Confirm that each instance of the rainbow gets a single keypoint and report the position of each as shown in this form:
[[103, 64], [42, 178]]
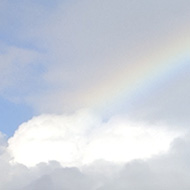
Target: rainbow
[[142, 74]]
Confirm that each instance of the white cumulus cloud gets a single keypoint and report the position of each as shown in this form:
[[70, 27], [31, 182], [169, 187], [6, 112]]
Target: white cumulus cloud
[[82, 138]]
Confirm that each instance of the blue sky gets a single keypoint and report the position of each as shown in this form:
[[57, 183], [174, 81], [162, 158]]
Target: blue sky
[[12, 115], [94, 91]]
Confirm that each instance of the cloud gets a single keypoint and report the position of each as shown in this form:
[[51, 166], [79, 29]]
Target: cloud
[[169, 170], [83, 47], [15, 65], [89, 42], [62, 178], [39, 136], [66, 57], [82, 138]]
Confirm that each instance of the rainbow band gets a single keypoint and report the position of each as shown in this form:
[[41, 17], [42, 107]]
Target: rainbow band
[[141, 74]]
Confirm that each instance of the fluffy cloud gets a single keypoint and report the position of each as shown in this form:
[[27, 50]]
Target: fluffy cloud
[[64, 57], [82, 138], [169, 170], [71, 139]]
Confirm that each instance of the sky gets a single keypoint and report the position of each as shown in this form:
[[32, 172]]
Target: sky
[[94, 95]]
